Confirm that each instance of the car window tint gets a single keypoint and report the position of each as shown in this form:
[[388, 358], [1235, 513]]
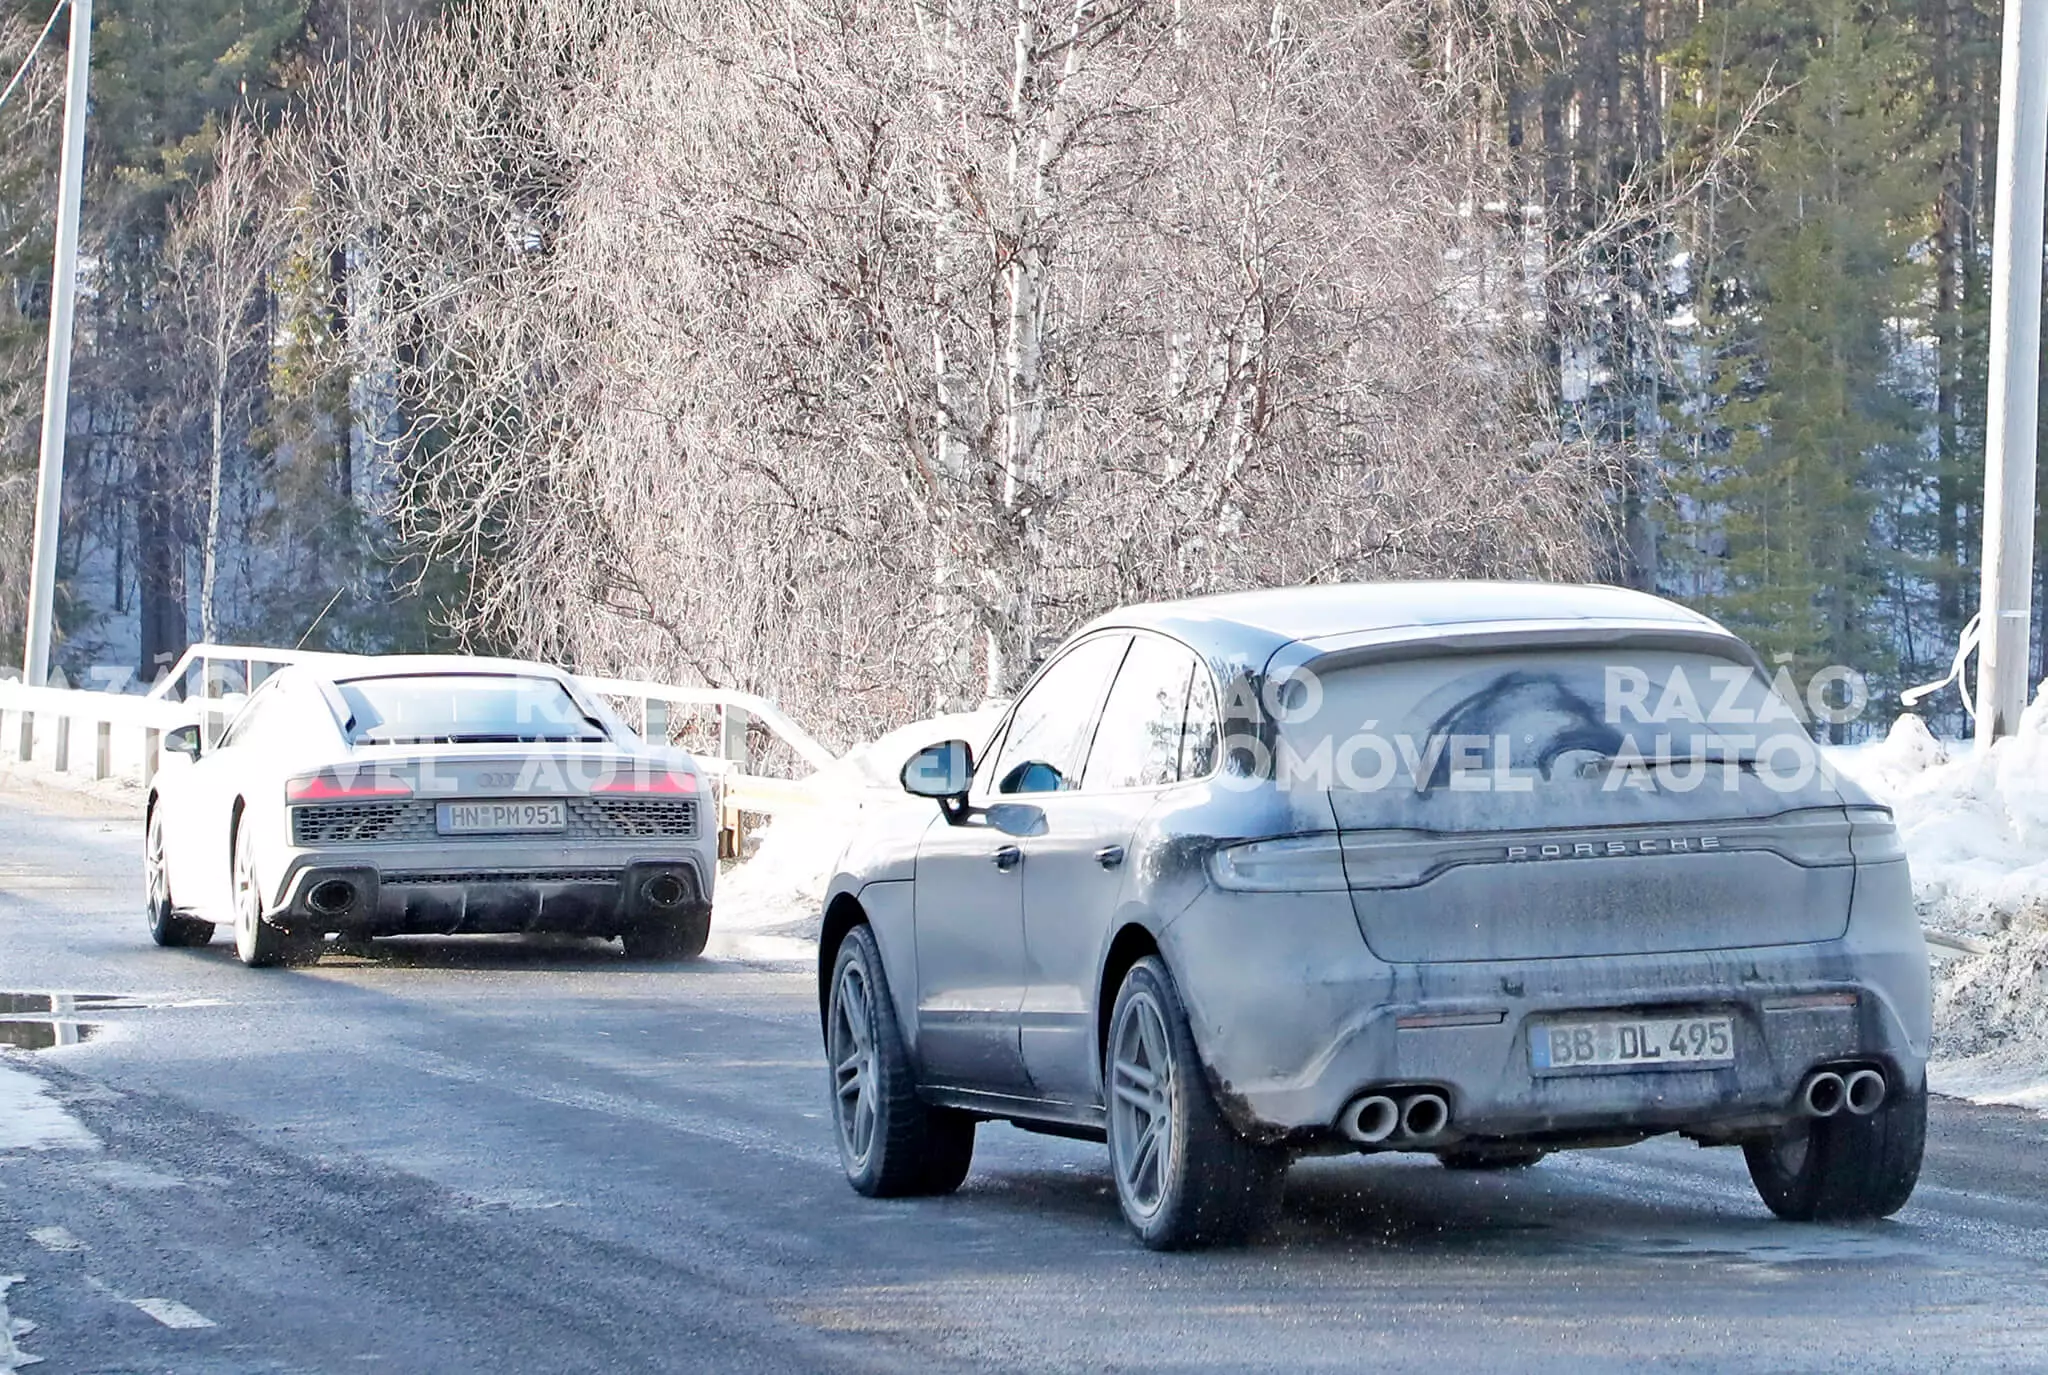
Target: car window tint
[[1198, 734], [1138, 743], [1545, 737], [1048, 734], [455, 708]]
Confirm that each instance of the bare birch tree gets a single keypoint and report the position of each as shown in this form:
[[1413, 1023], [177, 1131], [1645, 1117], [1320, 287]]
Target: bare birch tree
[[853, 354], [221, 250]]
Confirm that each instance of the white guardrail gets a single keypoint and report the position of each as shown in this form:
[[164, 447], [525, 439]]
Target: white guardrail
[[119, 735]]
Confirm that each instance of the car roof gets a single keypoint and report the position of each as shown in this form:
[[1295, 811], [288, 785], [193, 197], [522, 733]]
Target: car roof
[[1253, 625]]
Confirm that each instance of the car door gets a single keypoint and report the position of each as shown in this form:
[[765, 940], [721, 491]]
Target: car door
[[196, 819], [969, 895], [1075, 867]]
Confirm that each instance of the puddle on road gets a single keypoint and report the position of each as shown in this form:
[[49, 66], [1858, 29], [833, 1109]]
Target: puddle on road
[[22, 1029], [42, 1021], [63, 1004], [21, 1035]]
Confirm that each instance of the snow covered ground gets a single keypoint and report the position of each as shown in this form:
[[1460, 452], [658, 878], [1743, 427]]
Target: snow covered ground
[[1975, 824], [771, 906]]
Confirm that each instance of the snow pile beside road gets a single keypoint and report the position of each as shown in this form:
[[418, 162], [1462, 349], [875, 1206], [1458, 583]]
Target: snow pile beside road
[[30, 1119], [780, 891], [1975, 823]]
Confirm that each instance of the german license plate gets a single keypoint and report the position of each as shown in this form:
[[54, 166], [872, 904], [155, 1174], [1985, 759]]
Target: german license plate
[[499, 818], [1632, 1043]]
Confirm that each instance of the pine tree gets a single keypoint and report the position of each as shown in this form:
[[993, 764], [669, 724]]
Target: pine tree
[[1810, 421]]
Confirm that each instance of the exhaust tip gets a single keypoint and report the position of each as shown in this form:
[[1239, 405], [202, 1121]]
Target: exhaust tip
[[1823, 1094], [331, 897], [1425, 1115], [1863, 1092], [1370, 1119], [663, 890]]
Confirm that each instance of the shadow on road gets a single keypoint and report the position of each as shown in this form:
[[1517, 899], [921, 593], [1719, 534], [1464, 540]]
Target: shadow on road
[[541, 954]]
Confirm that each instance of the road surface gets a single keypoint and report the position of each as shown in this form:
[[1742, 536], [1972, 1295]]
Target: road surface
[[489, 1157]]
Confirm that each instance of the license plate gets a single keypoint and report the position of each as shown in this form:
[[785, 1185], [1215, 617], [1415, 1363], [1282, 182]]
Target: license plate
[[499, 818], [1632, 1043]]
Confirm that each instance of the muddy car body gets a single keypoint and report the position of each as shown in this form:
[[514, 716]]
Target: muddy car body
[[1484, 870]]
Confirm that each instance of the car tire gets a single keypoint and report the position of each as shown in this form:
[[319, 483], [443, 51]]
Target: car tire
[[1844, 1167], [259, 944], [668, 938], [1184, 1177], [1466, 1158], [166, 926], [892, 1143]]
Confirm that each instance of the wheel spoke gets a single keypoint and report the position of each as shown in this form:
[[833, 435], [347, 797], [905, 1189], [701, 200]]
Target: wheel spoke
[[1145, 1161], [1138, 1098], [854, 1000], [1149, 1032], [863, 1123]]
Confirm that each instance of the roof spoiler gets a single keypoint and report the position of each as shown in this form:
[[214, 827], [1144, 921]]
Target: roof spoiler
[[1326, 653]]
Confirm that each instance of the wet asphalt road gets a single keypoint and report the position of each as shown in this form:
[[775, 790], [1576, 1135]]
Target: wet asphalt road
[[460, 1157]]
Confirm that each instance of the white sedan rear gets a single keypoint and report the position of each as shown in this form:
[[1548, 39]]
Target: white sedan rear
[[427, 795]]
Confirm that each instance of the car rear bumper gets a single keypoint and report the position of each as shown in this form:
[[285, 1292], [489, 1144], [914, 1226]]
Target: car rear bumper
[[426, 892], [1295, 1020]]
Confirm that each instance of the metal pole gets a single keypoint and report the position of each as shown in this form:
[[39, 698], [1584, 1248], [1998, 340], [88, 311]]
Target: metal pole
[[57, 376], [2013, 408]]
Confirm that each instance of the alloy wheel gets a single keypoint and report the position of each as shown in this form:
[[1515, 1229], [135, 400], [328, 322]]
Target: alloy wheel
[[248, 907], [155, 879], [1141, 1106], [853, 1064]]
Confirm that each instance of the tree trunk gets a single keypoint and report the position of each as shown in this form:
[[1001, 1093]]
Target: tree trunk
[[159, 570]]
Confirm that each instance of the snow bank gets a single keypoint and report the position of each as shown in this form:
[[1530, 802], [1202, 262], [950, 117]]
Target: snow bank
[[30, 1119], [1975, 823], [771, 905]]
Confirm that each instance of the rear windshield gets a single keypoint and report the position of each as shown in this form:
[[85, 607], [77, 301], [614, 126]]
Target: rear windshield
[[1520, 727], [464, 708]]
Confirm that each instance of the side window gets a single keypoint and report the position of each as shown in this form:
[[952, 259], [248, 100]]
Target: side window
[[1198, 743], [254, 717], [1138, 744], [1048, 735]]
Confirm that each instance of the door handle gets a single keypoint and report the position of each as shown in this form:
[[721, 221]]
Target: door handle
[[1109, 856], [1009, 857]]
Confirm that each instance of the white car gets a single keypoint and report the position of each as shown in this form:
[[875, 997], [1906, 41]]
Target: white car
[[427, 795]]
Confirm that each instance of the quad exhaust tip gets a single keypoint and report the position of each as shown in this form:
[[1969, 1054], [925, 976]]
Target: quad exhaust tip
[[1863, 1092], [1425, 1115], [1377, 1118], [1371, 1119], [1823, 1094], [1859, 1091]]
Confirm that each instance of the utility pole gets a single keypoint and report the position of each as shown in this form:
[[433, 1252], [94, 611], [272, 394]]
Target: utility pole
[[2013, 409], [42, 593]]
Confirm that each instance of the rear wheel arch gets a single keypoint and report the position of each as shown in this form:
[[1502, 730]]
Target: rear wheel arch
[[1130, 944], [842, 914]]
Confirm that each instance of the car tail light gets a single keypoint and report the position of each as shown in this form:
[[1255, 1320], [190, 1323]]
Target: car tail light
[[1292, 864], [648, 784], [329, 787], [1874, 836]]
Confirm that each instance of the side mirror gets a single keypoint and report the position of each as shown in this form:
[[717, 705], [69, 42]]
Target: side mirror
[[940, 771], [184, 740]]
